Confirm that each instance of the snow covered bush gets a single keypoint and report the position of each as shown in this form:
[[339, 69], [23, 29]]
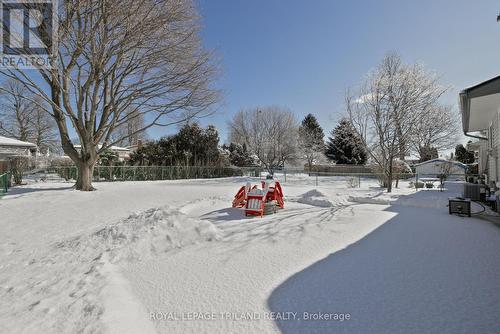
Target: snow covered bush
[[400, 170], [239, 155], [58, 162], [18, 166], [352, 182], [416, 185]]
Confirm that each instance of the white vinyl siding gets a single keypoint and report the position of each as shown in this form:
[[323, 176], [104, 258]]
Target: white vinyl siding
[[483, 157], [494, 149]]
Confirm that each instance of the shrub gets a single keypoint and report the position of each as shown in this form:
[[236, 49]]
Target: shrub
[[18, 166], [417, 185], [352, 182]]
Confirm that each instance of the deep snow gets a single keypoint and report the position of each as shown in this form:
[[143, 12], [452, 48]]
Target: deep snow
[[173, 257]]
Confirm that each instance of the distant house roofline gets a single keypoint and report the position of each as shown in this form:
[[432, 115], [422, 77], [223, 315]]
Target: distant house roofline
[[6, 141], [456, 163], [112, 148]]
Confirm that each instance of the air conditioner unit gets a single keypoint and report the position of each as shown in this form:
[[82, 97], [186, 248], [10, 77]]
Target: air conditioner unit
[[472, 191], [459, 206]]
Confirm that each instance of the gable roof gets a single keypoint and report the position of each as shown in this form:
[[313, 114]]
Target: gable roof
[[5, 141], [112, 148], [438, 160]]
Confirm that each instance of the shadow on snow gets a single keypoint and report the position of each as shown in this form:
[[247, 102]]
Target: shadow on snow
[[423, 271]]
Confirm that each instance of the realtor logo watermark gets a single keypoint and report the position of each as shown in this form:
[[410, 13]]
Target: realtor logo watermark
[[249, 316], [29, 30]]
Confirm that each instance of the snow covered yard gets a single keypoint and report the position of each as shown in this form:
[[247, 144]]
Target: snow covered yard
[[173, 257]]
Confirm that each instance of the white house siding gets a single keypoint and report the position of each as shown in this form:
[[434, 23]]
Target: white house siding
[[494, 149], [480, 149], [483, 157], [10, 151]]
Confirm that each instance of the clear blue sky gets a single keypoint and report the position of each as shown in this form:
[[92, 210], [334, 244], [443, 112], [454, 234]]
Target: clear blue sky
[[304, 54]]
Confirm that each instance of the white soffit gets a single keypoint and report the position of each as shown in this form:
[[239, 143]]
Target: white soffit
[[482, 111]]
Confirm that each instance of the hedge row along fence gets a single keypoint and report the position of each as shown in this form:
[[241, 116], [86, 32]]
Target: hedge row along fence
[[153, 173]]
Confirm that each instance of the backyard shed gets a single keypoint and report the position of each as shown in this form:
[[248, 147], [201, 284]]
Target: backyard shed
[[432, 168]]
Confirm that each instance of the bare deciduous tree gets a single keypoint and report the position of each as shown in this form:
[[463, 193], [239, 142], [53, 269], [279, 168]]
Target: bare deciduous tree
[[15, 112], [438, 128], [129, 133], [270, 133], [391, 102], [23, 117], [44, 132], [116, 59]]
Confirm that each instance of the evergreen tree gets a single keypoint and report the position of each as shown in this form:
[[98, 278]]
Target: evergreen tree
[[211, 145], [192, 145], [167, 151], [462, 155], [239, 155], [428, 153], [311, 142], [345, 146], [197, 146], [147, 155], [108, 158]]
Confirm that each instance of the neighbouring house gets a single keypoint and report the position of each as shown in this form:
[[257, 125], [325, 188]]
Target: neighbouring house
[[123, 152], [11, 148], [432, 168], [480, 109], [140, 143]]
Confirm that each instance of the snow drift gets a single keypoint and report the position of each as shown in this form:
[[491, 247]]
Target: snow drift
[[317, 198], [67, 279], [146, 233]]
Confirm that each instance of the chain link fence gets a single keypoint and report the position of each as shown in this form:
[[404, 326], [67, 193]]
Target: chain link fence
[[286, 175], [344, 175]]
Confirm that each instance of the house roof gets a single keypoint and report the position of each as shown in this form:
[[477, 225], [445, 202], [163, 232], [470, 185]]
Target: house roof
[[5, 141], [479, 104], [456, 163], [112, 148]]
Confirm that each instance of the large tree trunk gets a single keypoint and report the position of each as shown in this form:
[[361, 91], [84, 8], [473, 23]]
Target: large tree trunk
[[84, 162], [390, 176], [85, 173], [389, 182]]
